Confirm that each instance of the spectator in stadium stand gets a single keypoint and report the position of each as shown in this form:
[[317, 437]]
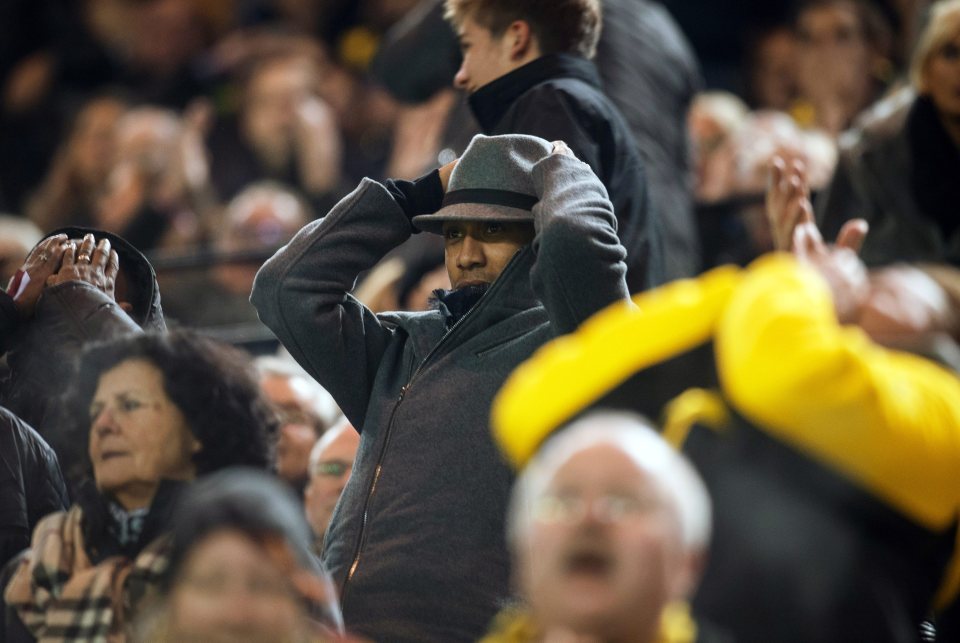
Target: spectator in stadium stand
[[417, 543], [77, 285], [331, 463], [609, 527], [527, 67], [151, 412], [241, 568]]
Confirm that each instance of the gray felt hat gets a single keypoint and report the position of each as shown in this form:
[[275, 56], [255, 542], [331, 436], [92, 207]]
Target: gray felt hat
[[492, 182]]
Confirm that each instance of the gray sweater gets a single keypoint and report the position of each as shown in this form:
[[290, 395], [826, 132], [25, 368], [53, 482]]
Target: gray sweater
[[417, 540]]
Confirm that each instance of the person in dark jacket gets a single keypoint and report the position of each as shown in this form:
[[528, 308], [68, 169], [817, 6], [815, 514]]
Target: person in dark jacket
[[78, 285], [651, 74], [150, 412], [417, 542], [527, 68], [31, 485]]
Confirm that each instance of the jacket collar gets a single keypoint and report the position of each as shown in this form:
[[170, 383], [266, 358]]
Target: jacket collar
[[98, 539], [510, 294], [491, 102]]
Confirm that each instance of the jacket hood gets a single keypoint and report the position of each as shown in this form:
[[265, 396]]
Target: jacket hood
[[142, 279]]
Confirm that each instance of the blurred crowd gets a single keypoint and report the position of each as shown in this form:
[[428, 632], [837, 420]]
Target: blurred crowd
[[733, 458]]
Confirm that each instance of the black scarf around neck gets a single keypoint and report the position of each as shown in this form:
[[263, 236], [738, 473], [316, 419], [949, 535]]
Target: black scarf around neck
[[455, 304]]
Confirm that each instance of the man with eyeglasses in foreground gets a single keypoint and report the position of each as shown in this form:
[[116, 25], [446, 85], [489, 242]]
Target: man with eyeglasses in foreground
[[331, 462], [609, 528]]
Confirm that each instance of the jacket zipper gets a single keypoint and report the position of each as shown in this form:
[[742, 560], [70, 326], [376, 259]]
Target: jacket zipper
[[361, 540]]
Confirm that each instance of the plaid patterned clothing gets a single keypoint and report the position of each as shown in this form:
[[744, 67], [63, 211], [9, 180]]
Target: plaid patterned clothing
[[60, 596]]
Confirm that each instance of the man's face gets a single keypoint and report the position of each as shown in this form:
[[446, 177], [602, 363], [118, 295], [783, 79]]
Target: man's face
[[298, 433], [476, 252], [485, 57], [328, 475], [603, 550]]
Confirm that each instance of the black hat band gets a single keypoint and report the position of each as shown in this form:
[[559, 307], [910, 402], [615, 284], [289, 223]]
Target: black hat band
[[491, 197]]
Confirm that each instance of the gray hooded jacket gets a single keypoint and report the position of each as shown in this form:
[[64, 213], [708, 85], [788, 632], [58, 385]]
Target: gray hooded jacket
[[417, 540]]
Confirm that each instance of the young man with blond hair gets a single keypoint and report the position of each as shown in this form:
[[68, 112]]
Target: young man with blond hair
[[527, 67]]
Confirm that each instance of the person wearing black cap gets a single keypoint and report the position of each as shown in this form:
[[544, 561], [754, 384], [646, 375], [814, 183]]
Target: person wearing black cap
[[77, 285], [417, 542]]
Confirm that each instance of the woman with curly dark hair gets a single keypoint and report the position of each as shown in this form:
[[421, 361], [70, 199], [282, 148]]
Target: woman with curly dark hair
[[158, 410]]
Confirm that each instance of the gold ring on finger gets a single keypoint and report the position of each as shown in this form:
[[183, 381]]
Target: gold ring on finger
[[83, 257]]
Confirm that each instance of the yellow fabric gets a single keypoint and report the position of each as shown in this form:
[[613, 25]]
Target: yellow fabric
[[513, 625], [888, 420], [357, 47], [693, 406], [571, 372]]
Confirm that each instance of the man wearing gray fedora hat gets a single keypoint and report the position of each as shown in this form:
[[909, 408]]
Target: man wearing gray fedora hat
[[417, 541]]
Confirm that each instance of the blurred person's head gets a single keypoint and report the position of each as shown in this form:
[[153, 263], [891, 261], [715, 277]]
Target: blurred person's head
[[498, 36], [936, 63], [713, 119], [17, 237], [306, 411], [845, 42], [145, 136], [167, 35], [773, 69], [263, 216], [331, 463], [241, 568], [274, 89], [166, 406], [91, 145], [608, 525], [146, 139]]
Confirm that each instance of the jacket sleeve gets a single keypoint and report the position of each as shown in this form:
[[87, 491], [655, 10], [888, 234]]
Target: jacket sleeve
[[580, 265], [32, 485], [9, 321], [302, 294], [888, 420], [76, 312]]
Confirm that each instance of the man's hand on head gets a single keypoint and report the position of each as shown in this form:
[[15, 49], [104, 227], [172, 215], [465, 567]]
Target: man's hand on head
[[445, 172], [42, 262], [559, 147], [94, 263]]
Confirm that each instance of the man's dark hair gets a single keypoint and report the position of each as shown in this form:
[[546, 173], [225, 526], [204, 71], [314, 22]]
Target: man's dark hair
[[560, 26], [212, 385], [876, 26]]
